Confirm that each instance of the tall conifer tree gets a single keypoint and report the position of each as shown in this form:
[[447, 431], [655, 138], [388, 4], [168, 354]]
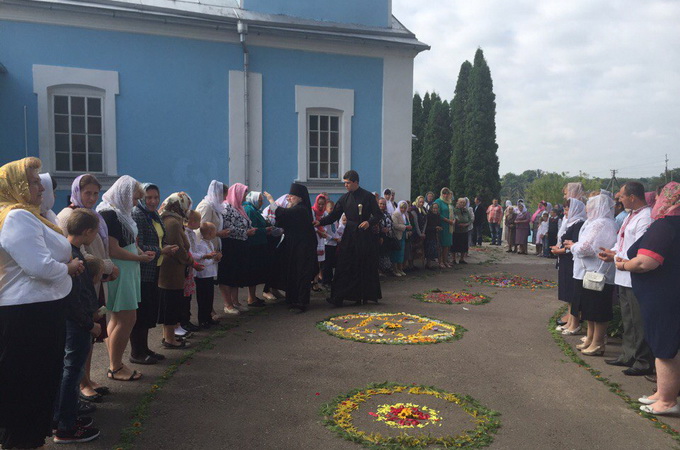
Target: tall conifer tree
[[418, 130], [436, 152], [481, 168], [458, 149]]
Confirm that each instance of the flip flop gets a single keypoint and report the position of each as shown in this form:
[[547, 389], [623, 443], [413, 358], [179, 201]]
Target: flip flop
[[111, 374]]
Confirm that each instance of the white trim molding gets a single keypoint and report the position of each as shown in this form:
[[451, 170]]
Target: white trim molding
[[397, 115], [237, 127], [48, 78], [310, 99]]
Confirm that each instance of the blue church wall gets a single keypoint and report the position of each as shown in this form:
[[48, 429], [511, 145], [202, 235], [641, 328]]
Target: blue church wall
[[172, 111], [364, 12]]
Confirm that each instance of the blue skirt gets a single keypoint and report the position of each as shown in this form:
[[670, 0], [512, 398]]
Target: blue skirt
[[397, 256]]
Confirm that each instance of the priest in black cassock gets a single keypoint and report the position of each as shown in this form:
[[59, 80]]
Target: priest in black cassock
[[356, 272], [300, 259]]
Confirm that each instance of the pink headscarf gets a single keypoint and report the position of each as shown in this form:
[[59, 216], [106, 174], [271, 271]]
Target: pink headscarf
[[650, 198], [664, 202], [235, 197], [539, 211]]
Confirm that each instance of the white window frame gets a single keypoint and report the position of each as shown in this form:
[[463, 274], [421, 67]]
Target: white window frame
[[326, 112], [310, 100], [55, 80]]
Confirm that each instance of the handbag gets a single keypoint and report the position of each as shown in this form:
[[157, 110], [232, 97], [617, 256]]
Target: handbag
[[593, 281]]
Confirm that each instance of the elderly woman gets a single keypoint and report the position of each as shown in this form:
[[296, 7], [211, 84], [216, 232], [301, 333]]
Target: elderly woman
[[655, 271], [401, 226], [258, 248], [509, 225], [36, 267], [232, 268], [419, 220], [460, 240], [124, 291], [522, 228], [595, 307], [151, 238], [386, 238], [445, 202], [173, 269], [85, 194]]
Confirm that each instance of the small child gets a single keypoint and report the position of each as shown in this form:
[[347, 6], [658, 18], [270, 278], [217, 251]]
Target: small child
[[432, 229], [554, 224], [205, 254], [186, 327], [541, 234], [81, 305], [331, 247]]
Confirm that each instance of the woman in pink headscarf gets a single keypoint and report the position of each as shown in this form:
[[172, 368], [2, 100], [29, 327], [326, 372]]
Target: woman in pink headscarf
[[655, 275], [230, 274]]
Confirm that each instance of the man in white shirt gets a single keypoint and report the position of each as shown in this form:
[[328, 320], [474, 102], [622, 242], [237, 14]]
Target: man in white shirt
[[636, 354]]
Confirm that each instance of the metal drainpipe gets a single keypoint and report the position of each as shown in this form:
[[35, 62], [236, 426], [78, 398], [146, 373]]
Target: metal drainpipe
[[242, 29]]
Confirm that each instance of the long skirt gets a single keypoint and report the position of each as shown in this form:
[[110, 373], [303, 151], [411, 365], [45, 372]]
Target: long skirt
[[397, 256], [171, 302], [593, 305], [460, 242], [232, 268], [31, 360], [258, 266], [565, 278], [431, 247]]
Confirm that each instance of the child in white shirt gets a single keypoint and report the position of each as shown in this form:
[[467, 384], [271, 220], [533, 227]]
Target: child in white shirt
[[206, 255], [541, 234]]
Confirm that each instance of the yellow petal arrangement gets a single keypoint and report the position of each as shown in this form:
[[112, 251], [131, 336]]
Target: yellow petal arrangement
[[390, 328], [410, 418]]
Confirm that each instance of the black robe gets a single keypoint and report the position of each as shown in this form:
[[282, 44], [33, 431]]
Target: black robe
[[356, 271], [299, 260]]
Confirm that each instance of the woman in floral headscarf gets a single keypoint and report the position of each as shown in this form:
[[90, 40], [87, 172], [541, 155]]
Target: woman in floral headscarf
[[446, 206], [35, 260], [259, 261], [233, 265], [174, 211], [655, 273], [124, 291]]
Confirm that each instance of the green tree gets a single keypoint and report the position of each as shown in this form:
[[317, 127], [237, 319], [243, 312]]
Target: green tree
[[436, 153], [418, 131], [547, 187], [481, 168], [458, 149]]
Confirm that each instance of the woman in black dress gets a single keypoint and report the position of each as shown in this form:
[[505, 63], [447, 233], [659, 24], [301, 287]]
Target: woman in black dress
[[575, 215], [655, 275], [301, 260]]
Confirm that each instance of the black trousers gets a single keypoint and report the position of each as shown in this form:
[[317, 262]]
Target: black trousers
[[477, 234], [329, 264], [205, 294]]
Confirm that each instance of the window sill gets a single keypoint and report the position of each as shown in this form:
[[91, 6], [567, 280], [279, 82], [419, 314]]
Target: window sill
[[65, 180], [328, 186]]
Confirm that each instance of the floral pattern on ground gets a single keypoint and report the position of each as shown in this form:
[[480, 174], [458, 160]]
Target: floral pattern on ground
[[342, 414], [452, 297], [505, 280], [390, 328]]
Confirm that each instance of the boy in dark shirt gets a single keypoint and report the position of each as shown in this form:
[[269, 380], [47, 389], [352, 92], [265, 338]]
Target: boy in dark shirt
[[81, 306]]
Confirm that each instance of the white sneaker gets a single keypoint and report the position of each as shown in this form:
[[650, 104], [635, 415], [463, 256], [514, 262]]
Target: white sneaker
[[181, 332], [232, 311], [242, 308]]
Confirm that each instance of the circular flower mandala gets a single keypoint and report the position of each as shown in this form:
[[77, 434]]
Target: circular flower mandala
[[390, 328], [512, 281], [452, 297], [469, 423]]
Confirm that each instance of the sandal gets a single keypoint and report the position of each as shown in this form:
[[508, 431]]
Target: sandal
[[146, 361], [111, 374], [166, 344]]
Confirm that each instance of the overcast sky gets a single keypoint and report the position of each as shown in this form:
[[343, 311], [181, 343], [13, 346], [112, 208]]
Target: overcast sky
[[586, 85]]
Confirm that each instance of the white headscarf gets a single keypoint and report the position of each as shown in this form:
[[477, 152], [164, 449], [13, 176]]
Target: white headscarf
[[577, 213], [214, 198], [403, 215], [119, 199], [254, 198], [508, 203], [47, 199], [599, 230], [390, 204]]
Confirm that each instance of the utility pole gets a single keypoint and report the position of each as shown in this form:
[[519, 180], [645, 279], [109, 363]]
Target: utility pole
[[666, 172], [613, 184]]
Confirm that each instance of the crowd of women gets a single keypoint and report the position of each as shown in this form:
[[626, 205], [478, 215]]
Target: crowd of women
[[133, 262], [638, 253]]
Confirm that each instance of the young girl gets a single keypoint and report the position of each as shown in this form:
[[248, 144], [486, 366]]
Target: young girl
[[541, 232], [332, 241], [204, 253], [432, 229]]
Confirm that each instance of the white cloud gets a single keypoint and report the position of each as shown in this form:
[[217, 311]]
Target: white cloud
[[579, 85]]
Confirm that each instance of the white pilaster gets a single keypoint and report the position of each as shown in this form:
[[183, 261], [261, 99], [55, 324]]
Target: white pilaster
[[237, 147]]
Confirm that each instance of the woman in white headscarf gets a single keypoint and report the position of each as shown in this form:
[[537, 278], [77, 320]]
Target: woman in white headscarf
[[504, 236], [574, 216], [124, 291], [388, 194], [598, 231], [211, 208], [400, 225]]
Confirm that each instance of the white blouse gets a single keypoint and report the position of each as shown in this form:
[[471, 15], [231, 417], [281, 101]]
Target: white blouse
[[33, 261]]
